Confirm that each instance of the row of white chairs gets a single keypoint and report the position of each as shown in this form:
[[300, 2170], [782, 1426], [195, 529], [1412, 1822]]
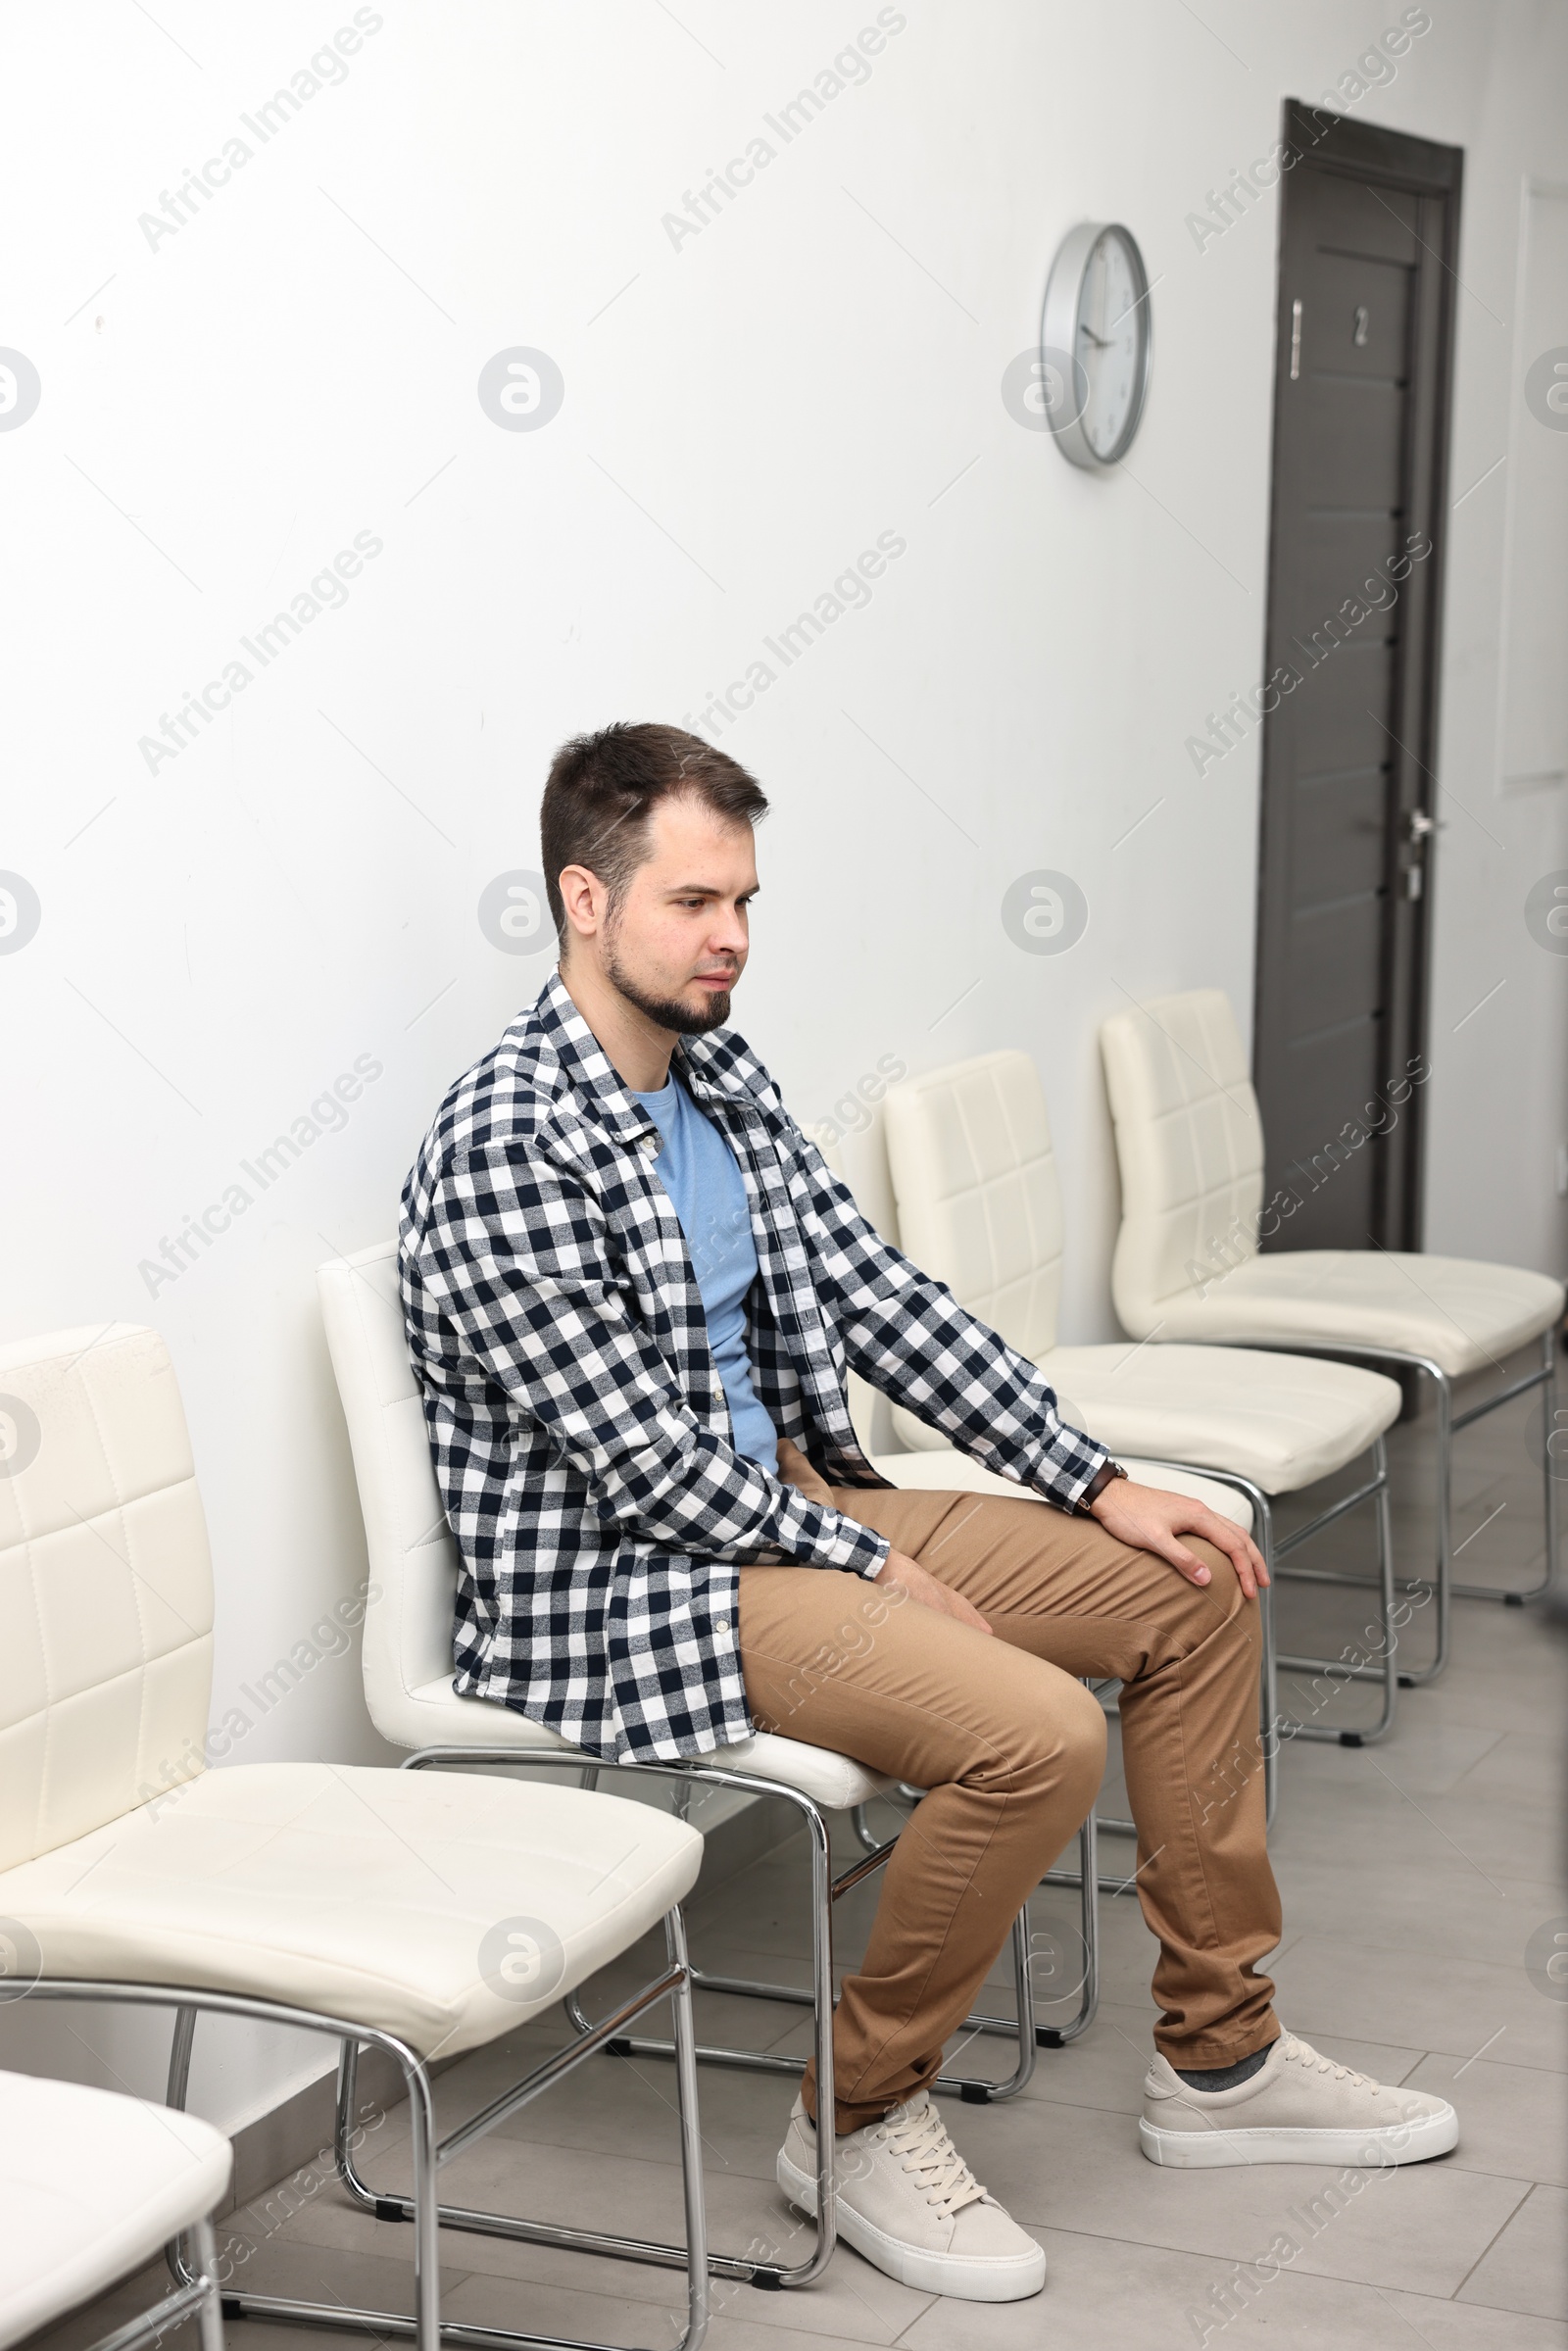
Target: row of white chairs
[[1264, 1376], [420, 1915], [421, 1912]]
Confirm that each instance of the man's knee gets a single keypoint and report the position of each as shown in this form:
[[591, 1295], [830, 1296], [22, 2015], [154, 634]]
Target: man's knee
[[1224, 1588], [1061, 1745], [1084, 1742]]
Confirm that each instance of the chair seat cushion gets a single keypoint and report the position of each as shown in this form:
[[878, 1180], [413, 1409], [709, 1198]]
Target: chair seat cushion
[[435, 1716], [1280, 1420], [947, 1471], [91, 2184], [1462, 1313], [443, 1907]]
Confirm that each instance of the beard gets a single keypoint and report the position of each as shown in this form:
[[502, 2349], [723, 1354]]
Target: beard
[[667, 1013]]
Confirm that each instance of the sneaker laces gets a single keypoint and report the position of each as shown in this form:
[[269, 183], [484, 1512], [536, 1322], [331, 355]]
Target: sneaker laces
[[920, 2137], [1300, 2052]]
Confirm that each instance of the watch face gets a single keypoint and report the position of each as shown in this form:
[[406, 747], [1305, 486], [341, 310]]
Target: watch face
[[1113, 336]]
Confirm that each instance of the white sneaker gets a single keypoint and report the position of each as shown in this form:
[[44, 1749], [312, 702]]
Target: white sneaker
[[907, 2200], [1299, 2107]]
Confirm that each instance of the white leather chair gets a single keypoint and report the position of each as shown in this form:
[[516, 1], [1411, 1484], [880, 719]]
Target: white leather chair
[[1187, 1264], [408, 1687], [423, 1917], [943, 1469], [975, 1177], [91, 2184]]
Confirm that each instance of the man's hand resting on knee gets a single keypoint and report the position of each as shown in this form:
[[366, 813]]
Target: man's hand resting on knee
[[908, 1576], [1149, 1519]]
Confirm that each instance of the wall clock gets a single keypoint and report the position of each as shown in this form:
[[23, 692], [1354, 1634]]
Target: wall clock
[[1095, 341]]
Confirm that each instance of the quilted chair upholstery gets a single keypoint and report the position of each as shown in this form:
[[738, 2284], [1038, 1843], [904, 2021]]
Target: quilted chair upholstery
[[106, 1593], [929, 1465], [979, 1207], [1187, 1264], [364, 1894]]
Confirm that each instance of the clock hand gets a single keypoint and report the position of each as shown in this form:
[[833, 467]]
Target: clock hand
[[1101, 342]]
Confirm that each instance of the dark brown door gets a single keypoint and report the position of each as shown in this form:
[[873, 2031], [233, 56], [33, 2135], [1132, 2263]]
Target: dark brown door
[[1369, 225]]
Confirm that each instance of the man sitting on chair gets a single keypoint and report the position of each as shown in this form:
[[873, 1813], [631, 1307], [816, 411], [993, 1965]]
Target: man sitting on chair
[[634, 1293]]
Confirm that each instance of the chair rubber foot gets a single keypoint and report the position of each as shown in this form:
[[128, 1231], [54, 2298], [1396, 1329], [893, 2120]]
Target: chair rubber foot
[[1513, 1599], [768, 2281], [230, 2306], [388, 2210], [1049, 2036], [974, 2093], [1349, 1738], [619, 2048], [1407, 1681]]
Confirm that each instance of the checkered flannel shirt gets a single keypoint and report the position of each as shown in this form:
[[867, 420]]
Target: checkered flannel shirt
[[582, 1436]]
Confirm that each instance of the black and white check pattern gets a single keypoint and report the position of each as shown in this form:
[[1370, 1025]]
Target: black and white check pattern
[[582, 1436]]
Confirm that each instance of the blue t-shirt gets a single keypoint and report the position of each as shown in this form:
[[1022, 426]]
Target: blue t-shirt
[[697, 1170]]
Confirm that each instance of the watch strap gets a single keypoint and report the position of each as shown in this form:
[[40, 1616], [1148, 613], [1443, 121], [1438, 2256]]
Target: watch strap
[[1104, 1476]]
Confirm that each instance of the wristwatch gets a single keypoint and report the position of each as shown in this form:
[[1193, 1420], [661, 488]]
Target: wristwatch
[[1103, 1477]]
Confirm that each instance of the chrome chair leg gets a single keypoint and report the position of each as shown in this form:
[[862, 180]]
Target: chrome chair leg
[[197, 2290], [1450, 1424], [210, 2318], [420, 2208], [827, 1889], [1546, 1380], [1554, 1462]]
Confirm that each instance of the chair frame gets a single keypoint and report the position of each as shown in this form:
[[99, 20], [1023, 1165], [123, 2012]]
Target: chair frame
[[201, 2295], [1274, 1551], [826, 1890], [424, 2326], [1449, 1423]]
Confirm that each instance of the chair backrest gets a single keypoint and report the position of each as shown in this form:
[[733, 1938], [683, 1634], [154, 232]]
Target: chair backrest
[[413, 1554], [1190, 1143], [106, 1586], [974, 1176]]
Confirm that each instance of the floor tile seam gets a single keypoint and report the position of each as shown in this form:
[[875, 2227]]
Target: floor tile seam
[[729, 2170], [1543, 2073], [1399, 1950], [1546, 2072], [882, 2342], [1491, 2241], [1498, 2309], [1525, 2182], [1481, 2171], [1100, 2237], [1500, 1740], [571, 2147], [1471, 1959]]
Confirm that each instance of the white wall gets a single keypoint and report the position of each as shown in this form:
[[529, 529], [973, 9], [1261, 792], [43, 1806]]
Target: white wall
[[225, 410]]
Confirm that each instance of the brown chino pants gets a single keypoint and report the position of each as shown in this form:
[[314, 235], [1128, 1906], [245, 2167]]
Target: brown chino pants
[[1010, 1746]]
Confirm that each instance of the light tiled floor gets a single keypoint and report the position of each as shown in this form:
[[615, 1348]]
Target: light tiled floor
[[1413, 1874]]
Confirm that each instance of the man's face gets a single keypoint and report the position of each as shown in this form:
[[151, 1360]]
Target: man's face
[[677, 941]]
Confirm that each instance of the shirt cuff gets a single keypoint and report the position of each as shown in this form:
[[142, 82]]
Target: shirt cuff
[[827, 1538]]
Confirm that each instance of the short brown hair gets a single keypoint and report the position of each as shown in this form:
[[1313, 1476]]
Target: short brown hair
[[602, 788]]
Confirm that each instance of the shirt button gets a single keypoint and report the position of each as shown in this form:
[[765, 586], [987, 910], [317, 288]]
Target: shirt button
[[722, 1624]]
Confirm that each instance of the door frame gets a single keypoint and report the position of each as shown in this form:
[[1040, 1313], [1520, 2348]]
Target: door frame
[[1316, 140]]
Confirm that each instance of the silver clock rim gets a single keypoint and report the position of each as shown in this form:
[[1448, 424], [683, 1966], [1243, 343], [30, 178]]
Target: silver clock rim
[[1059, 332]]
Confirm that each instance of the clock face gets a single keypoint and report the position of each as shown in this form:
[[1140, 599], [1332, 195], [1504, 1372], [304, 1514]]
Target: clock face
[[1112, 324], [1096, 336]]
